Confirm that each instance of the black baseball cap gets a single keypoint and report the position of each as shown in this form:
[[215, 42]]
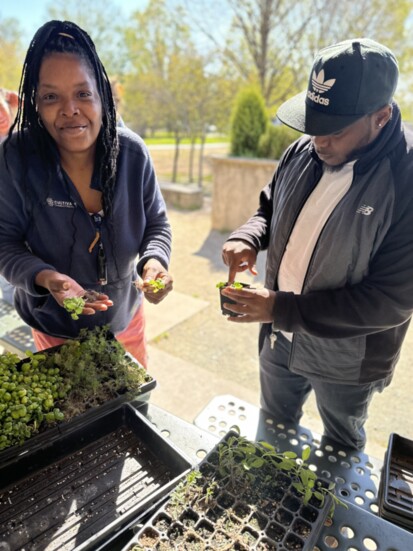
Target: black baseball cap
[[348, 80]]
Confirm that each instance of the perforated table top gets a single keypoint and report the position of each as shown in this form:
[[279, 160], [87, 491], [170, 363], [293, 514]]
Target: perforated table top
[[15, 335], [355, 474]]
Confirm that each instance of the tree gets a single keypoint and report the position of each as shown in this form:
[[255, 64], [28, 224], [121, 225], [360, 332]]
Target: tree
[[11, 53], [273, 42], [168, 85], [103, 25]]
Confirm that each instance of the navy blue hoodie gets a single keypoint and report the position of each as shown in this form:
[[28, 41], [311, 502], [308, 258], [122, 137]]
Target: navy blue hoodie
[[44, 225]]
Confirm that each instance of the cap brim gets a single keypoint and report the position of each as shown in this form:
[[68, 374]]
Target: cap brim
[[297, 114]]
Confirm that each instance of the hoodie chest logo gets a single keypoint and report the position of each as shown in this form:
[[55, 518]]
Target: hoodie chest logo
[[60, 204]]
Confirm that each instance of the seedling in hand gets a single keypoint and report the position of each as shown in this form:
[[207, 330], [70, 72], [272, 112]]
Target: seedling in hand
[[234, 285], [156, 284], [75, 305]]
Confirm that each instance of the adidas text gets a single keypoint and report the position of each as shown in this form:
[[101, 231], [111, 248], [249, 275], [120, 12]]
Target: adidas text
[[317, 98]]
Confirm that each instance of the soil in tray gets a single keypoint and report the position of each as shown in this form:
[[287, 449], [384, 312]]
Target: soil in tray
[[66, 503], [238, 511]]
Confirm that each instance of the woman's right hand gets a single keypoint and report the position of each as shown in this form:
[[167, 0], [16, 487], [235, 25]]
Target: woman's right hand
[[62, 287]]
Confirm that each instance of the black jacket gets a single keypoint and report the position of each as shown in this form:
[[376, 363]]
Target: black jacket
[[352, 316]]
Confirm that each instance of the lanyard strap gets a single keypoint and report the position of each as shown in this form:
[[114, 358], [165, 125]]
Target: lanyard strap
[[101, 258]]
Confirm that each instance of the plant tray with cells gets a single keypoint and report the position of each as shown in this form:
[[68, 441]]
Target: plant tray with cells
[[243, 496], [46, 391]]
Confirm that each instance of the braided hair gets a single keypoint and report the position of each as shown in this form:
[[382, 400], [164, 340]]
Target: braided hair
[[67, 37]]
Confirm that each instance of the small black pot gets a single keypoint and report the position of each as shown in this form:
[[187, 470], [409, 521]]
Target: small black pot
[[223, 299]]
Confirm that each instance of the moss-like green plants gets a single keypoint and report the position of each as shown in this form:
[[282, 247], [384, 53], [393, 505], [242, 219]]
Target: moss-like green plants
[[59, 383], [29, 394]]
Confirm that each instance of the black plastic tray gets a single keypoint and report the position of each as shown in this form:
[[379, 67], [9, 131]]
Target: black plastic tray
[[88, 484], [285, 522], [396, 484], [47, 435]]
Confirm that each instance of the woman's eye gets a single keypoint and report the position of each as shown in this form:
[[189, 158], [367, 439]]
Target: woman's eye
[[85, 94], [49, 97]]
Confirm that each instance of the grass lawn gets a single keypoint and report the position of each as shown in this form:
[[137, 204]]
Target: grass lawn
[[168, 139], [163, 162]]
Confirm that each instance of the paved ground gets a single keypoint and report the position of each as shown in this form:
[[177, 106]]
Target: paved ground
[[195, 354]]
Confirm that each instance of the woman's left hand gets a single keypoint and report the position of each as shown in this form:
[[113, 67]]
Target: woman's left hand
[[152, 271], [61, 287]]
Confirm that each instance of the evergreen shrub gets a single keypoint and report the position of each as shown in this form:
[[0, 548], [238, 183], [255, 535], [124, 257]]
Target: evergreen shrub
[[275, 141], [248, 122]]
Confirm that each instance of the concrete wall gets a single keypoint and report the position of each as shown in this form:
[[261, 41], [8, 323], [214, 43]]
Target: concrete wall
[[237, 183], [183, 196]]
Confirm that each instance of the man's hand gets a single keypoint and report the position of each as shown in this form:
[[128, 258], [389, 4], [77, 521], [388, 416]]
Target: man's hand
[[253, 305], [239, 256], [153, 270], [62, 286]]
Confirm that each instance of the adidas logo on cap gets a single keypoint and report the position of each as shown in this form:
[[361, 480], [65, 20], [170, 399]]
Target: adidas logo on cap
[[320, 85]]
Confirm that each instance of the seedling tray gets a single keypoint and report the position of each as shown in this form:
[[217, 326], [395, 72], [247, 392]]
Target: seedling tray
[[271, 517], [48, 435], [88, 484], [52, 432], [396, 485]]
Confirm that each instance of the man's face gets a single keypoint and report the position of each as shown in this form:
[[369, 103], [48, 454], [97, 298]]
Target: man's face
[[339, 148]]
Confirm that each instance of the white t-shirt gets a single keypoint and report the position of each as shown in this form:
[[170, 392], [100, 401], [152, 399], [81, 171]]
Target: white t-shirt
[[331, 188]]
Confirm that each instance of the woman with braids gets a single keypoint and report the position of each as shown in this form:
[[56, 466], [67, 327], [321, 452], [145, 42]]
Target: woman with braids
[[80, 206]]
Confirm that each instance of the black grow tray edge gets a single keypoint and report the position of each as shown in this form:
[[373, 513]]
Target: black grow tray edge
[[171, 459]]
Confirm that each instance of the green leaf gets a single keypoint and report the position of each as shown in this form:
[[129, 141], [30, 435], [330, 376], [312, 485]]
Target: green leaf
[[267, 446], [290, 455]]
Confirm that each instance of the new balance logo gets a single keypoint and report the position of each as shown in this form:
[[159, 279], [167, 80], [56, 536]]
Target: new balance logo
[[320, 85], [365, 209]]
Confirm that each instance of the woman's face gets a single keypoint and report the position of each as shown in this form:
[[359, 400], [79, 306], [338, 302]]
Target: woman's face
[[69, 104]]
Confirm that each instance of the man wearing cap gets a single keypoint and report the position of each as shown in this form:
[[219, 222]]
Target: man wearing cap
[[337, 223]]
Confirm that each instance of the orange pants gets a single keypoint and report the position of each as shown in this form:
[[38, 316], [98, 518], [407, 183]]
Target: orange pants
[[132, 338]]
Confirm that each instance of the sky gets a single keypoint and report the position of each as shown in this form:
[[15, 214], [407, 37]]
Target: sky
[[31, 14]]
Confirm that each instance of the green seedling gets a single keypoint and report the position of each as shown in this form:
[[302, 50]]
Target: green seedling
[[239, 457], [59, 384], [74, 305], [234, 285], [156, 284]]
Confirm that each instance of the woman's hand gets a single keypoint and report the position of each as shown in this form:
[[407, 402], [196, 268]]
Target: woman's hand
[[152, 271], [61, 287]]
